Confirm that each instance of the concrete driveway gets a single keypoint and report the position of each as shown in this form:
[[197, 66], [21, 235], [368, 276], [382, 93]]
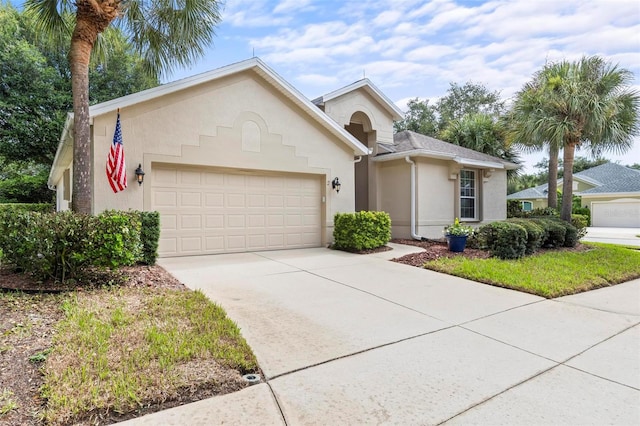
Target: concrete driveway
[[356, 339], [622, 236]]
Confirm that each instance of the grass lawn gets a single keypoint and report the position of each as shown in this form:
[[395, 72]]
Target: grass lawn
[[552, 273], [116, 353]]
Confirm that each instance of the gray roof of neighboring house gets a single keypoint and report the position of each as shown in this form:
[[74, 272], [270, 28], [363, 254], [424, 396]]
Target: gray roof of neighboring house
[[608, 178], [539, 191], [408, 141]]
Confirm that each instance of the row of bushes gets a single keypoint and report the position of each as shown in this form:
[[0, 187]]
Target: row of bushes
[[62, 246], [362, 230], [516, 237], [514, 210]]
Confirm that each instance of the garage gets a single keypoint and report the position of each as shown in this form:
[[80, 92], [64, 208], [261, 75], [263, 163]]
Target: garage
[[616, 214], [209, 211]]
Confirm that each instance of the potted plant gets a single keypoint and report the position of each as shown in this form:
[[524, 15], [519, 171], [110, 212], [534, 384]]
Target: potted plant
[[456, 235]]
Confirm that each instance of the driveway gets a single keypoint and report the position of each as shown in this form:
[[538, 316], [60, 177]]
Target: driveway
[[356, 339], [622, 236]]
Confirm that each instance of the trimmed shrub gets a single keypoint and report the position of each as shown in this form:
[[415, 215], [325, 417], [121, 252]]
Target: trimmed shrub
[[555, 232], [535, 233], [361, 230], [150, 235], [64, 246], [505, 240], [580, 222], [582, 211]]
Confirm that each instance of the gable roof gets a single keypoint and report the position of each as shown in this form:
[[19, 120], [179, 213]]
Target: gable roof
[[368, 87], [408, 143], [537, 192], [608, 178], [253, 64]]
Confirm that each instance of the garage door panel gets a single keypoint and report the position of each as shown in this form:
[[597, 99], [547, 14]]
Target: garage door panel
[[207, 211], [616, 214]]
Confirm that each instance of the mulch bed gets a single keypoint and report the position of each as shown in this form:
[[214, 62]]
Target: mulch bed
[[433, 250]]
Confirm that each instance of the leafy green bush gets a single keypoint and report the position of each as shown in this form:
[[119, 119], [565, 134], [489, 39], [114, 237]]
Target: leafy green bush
[[505, 240], [583, 211], [26, 207], [63, 246], [580, 222], [361, 231], [150, 235], [535, 233], [555, 232]]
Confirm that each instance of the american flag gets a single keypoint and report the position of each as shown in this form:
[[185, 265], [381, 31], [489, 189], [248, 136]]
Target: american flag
[[116, 169]]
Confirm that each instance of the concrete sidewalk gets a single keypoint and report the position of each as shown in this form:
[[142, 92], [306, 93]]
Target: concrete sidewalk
[[356, 339]]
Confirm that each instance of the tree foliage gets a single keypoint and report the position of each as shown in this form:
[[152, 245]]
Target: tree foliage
[[570, 104], [35, 97], [164, 33]]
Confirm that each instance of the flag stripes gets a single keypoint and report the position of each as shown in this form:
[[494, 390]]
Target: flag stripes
[[116, 169]]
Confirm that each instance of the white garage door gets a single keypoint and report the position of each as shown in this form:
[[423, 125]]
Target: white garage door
[[617, 214], [206, 211]]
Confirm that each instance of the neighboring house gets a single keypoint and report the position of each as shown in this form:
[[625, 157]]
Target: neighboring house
[[610, 191], [236, 159]]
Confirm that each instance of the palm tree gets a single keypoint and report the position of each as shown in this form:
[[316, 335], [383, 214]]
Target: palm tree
[[567, 105], [165, 33], [484, 133]]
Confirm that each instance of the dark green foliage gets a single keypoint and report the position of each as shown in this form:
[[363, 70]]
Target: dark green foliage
[[571, 235], [505, 240], [23, 207], [535, 233], [150, 235], [582, 211], [514, 208], [361, 231], [555, 232], [64, 246], [580, 222], [24, 184]]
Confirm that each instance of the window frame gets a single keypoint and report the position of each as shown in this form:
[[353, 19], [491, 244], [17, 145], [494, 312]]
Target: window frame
[[475, 197]]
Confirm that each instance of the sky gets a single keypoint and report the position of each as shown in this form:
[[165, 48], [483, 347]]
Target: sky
[[416, 48]]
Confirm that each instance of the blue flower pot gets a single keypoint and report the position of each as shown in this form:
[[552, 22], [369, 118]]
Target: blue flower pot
[[457, 243]]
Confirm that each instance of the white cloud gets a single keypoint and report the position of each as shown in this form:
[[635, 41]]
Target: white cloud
[[288, 6]]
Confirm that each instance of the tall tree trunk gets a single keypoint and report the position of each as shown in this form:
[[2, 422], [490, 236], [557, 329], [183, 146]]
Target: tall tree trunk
[[567, 182], [92, 17], [552, 186], [79, 56]]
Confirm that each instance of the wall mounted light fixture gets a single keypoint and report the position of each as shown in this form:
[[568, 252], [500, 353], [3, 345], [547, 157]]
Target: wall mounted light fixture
[[335, 184], [139, 174]]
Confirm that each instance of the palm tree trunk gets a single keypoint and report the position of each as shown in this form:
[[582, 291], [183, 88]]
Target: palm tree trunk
[[91, 19], [567, 182], [552, 186], [79, 55]]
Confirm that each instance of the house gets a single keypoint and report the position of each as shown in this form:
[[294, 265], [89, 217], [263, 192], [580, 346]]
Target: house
[[236, 159], [610, 191]]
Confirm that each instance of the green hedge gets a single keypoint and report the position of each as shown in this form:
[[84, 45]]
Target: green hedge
[[535, 234], [150, 235], [361, 231], [23, 207], [64, 246], [505, 240], [555, 232]]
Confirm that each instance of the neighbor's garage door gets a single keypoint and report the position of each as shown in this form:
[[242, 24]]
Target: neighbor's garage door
[[617, 214], [205, 211]]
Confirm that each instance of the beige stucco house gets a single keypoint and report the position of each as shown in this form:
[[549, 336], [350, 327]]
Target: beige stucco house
[[237, 159]]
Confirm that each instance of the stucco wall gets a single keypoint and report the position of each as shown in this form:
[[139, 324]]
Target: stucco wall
[[235, 122], [494, 199], [394, 195], [343, 107], [436, 202], [437, 195]]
